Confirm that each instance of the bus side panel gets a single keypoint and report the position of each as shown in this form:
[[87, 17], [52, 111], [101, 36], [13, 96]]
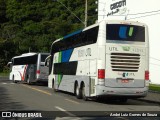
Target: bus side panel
[[83, 71], [19, 72], [31, 72], [43, 73], [66, 74], [68, 81], [10, 76]]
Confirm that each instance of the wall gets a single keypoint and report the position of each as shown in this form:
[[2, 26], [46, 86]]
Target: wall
[[142, 11]]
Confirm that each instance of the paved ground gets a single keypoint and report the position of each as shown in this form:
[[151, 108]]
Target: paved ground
[[152, 96], [23, 97]]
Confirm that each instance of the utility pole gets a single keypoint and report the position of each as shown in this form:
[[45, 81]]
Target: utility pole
[[86, 13], [71, 11]]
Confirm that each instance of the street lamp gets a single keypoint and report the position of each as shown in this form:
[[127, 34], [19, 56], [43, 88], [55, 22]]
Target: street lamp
[[85, 23]]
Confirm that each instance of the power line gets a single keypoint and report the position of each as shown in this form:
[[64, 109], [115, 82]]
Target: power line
[[154, 64], [155, 58], [143, 16], [145, 12], [69, 11], [138, 14]]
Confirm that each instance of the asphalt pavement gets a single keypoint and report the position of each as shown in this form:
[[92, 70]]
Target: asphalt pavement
[[23, 97], [152, 96]]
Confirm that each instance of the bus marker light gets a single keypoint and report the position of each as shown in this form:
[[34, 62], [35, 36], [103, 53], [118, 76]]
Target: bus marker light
[[101, 73], [38, 71], [146, 75]]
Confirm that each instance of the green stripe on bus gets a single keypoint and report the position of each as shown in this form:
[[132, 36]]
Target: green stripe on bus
[[60, 57], [59, 79], [130, 31], [59, 61]]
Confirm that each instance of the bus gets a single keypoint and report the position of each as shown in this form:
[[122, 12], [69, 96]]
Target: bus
[[109, 58], [29, 67]]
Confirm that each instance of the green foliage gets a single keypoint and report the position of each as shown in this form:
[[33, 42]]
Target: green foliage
[[154, 87], [35, 24]]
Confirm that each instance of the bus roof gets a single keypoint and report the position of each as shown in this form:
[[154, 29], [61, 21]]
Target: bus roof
[[94, 25], [72, 34], [25, 54], [29, 54]]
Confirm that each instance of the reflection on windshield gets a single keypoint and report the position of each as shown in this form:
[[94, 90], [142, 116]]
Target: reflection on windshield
[[125, 32]]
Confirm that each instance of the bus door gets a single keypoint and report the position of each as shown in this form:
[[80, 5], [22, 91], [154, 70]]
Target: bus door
[[43, 71], [32, 70]]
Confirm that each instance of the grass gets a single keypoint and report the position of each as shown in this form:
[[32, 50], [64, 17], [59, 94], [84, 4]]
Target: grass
[[4, 74], [154, 87]]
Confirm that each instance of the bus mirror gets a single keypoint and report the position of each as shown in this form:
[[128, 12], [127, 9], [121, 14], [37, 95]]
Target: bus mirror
[[46, 63], [9, 64]]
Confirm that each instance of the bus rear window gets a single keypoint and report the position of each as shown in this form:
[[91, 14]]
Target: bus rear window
[[43, 57], [122, 32], [23, 60]]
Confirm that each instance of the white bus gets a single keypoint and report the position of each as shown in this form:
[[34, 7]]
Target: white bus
[[110, 58], [29, 67]]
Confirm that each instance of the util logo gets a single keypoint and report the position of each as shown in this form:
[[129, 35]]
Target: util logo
[[124, 32], [123, 74]]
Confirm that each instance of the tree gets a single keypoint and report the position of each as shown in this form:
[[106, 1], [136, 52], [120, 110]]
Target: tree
[[35, 24]]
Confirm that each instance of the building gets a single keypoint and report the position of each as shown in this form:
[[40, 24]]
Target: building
[[142, 11]]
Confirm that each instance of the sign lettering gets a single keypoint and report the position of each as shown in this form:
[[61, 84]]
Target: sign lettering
[[115, 8]]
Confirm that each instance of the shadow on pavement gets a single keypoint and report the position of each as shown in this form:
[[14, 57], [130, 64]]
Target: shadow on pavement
[[6, 103]]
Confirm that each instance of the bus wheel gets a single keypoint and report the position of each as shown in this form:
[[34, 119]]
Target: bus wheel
[[78, 92], [83, 93], [54, 89], [14, 79], [28, 81]]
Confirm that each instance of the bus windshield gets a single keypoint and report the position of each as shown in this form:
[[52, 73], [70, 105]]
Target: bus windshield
[[123, 32]]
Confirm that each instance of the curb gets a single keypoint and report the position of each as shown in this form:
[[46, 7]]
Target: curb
[[149, 101], [154, 91]]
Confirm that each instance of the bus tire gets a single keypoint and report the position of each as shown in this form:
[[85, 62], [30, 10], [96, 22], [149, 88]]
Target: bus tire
[[14, 81], [83, 93], [78, 92], [54, 89], [28, 80]]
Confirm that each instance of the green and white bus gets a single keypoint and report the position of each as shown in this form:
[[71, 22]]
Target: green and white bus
[[110, 58]]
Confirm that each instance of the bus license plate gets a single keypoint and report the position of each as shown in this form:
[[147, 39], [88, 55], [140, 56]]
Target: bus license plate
[[125, 81]]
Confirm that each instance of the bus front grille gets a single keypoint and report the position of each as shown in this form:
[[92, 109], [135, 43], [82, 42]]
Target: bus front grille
[[127, 62]]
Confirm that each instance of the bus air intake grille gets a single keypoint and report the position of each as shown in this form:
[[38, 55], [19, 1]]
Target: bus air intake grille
[[126, 62]]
